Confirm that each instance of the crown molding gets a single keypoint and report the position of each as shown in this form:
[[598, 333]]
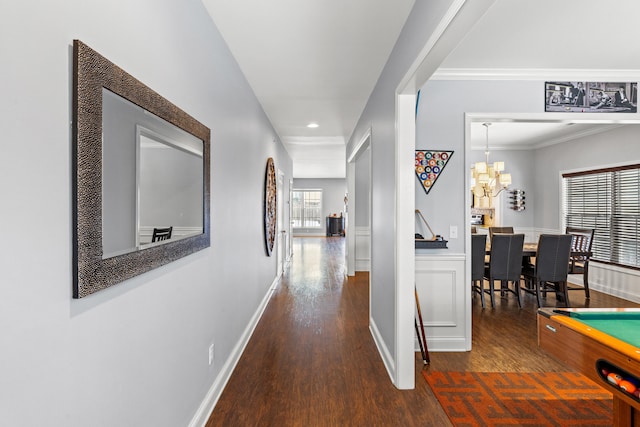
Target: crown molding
[[550, 74], [537, 143], [577, 135]]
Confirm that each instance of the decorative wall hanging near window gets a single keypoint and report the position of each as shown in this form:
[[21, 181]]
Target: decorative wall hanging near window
[[429, 166], [270, 206], [591, 97]]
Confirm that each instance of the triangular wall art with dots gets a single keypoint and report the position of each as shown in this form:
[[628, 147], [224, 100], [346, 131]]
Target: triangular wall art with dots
[[429, 166]]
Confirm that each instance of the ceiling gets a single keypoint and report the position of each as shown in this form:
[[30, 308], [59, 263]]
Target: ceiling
[[311, 61], [318, 61]]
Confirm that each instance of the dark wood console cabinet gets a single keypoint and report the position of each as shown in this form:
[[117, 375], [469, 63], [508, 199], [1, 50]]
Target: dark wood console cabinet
[[335, 226]]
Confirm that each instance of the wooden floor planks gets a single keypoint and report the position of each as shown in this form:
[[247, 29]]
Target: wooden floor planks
[[312, 362]]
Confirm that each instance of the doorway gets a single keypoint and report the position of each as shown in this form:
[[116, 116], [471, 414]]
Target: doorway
[[359, 206]]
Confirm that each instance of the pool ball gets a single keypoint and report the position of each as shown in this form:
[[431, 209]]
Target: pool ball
[[627, 386], [614, 378], [634, 381]]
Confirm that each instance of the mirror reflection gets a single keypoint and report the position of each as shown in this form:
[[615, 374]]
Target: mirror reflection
[[152, 179], [169, 186]]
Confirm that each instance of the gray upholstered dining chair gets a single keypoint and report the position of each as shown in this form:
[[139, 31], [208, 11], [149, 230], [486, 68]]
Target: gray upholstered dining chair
[[478, 249], [549, 274], [505, 265]]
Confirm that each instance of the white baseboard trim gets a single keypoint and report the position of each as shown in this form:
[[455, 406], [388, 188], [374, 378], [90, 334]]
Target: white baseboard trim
[[208, 404], [383, 350]]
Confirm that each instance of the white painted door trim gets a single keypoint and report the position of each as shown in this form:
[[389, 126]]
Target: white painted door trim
[[290, 225], [360, 147], [351, 212], [281, 229], [404, 245]]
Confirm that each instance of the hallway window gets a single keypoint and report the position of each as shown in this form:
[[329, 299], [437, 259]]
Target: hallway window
[[307, 209]]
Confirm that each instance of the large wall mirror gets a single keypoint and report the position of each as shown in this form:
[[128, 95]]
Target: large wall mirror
[[141, 177]]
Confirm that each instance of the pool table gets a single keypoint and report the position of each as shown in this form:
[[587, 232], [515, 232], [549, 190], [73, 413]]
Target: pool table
[[597, 342]]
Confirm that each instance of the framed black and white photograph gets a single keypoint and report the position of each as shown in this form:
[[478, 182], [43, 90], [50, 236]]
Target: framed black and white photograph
[[591, 97]]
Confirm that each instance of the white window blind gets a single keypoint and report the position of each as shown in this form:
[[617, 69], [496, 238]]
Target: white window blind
[[607, 200]]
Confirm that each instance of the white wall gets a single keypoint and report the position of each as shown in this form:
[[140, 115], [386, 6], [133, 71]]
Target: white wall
[[134, 354], [333, 191]]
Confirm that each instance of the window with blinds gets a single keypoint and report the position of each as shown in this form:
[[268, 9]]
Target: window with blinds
[[607, 200]]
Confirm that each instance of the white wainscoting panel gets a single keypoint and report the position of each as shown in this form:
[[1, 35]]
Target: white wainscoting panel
[[613, 280], [443, 293], [363, 248]]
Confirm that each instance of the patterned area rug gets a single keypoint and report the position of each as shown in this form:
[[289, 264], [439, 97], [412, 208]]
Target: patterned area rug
[[521, 398]]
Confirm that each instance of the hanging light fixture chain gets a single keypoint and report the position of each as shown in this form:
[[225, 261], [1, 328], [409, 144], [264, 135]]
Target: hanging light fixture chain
[[486, 150]]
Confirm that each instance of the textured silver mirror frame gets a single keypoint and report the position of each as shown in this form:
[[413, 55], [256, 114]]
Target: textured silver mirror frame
[[92, 273]]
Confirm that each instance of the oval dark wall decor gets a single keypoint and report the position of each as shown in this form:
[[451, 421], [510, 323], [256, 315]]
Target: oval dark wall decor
[[270, 206]]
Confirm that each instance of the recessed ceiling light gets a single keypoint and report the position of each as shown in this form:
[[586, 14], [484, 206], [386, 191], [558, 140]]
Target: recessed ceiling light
[[313, 125]]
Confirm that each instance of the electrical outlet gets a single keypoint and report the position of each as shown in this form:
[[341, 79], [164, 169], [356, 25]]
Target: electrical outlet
[[453, 232], [211, 347]]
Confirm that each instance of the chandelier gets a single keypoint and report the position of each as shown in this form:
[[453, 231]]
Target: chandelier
[[487, 181]]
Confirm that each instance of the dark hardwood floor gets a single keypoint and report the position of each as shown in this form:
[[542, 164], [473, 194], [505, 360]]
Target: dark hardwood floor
[[312, 362]]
